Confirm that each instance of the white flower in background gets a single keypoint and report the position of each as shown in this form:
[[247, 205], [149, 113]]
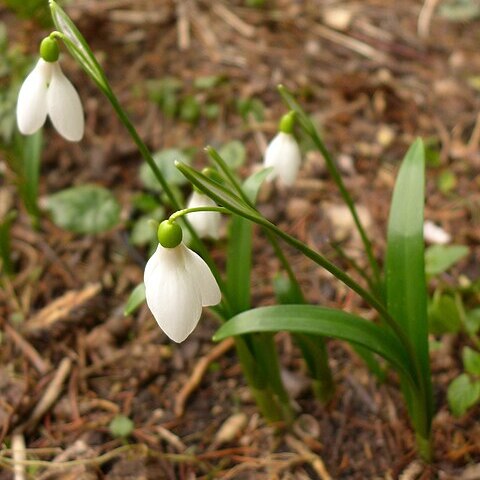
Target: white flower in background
[[47, 91], [435, 234], [178, 283], [283, 153], [206, 224]]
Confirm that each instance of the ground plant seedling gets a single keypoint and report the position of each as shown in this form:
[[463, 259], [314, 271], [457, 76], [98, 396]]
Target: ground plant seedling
[[195, 228]]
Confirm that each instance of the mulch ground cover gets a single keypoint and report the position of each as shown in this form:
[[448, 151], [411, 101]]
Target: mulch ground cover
[[70, 361]]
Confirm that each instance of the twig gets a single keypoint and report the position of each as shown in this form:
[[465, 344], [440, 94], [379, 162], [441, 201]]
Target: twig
[[19, 456], [231, 19], [314, 460], [50, 396], [425, 18], [28, 350], [198, 373], [61, 307], [183, 26], [351, 43]]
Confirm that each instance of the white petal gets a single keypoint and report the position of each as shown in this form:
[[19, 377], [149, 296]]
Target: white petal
[[172, 294], [283, 154], [206, 224], [32, 99], [435, 234], [64, 106], [203, 277]]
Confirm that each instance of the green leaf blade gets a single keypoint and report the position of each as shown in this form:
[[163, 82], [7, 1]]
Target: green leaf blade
[[239, 251], [77, 45], [311, 319], [405, 274], [136, 298]]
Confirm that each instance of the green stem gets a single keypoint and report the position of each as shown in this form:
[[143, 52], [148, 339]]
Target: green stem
[[334, 172], [145, 152], [424, 446], [256, 377], [319, 368], [185, 211], [223, 196]]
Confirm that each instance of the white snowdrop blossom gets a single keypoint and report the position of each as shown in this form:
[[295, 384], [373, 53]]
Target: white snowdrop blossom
[[435, 234], [178, 283], [206, 224], [47, 91], [283, 154]]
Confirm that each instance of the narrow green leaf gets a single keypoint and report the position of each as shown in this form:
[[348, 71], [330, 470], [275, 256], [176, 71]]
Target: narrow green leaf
[[239, 251], [310, 319], [439, 258], [471, 361], [405, 273], [136, 298], [219, 193], [5, 242], [78, 46], [84, 209], [462, 394], [239, 263], [32, 153]]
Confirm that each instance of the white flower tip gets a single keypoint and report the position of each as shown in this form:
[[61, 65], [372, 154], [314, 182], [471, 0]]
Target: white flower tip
[[64, 107], [283, 154], [206, 224], [32, 99], [435, 234], [177, 284], [46, 90]]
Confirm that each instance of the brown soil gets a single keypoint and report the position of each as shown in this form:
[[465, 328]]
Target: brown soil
[[373, 85]]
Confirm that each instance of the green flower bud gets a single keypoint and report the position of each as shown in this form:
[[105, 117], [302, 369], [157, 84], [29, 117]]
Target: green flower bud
[[287, 122], [169, 234], [49, 50]]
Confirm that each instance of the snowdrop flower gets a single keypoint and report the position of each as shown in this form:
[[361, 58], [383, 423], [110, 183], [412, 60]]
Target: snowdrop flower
[[206, 224], [47, 91], [178, 283], [435, 234], [283, 153]]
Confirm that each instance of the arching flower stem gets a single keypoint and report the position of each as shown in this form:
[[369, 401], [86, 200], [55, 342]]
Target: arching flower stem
[[185, 211]]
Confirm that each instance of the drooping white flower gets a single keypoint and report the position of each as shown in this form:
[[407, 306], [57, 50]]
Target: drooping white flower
[[435, 234], [178, 283], [283, 152], [47, 91], [206, 224]]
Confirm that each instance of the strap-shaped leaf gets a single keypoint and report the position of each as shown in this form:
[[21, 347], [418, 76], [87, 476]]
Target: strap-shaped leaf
[[311, 319], [219, 193], [77, 45], [239, 252], [405, 264]]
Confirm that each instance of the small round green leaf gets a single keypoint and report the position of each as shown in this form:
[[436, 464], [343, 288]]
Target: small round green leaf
[[234, 154], [165, 161], [439, 258], [462, 394], [121, 426], [471, 361], [84, 209]]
